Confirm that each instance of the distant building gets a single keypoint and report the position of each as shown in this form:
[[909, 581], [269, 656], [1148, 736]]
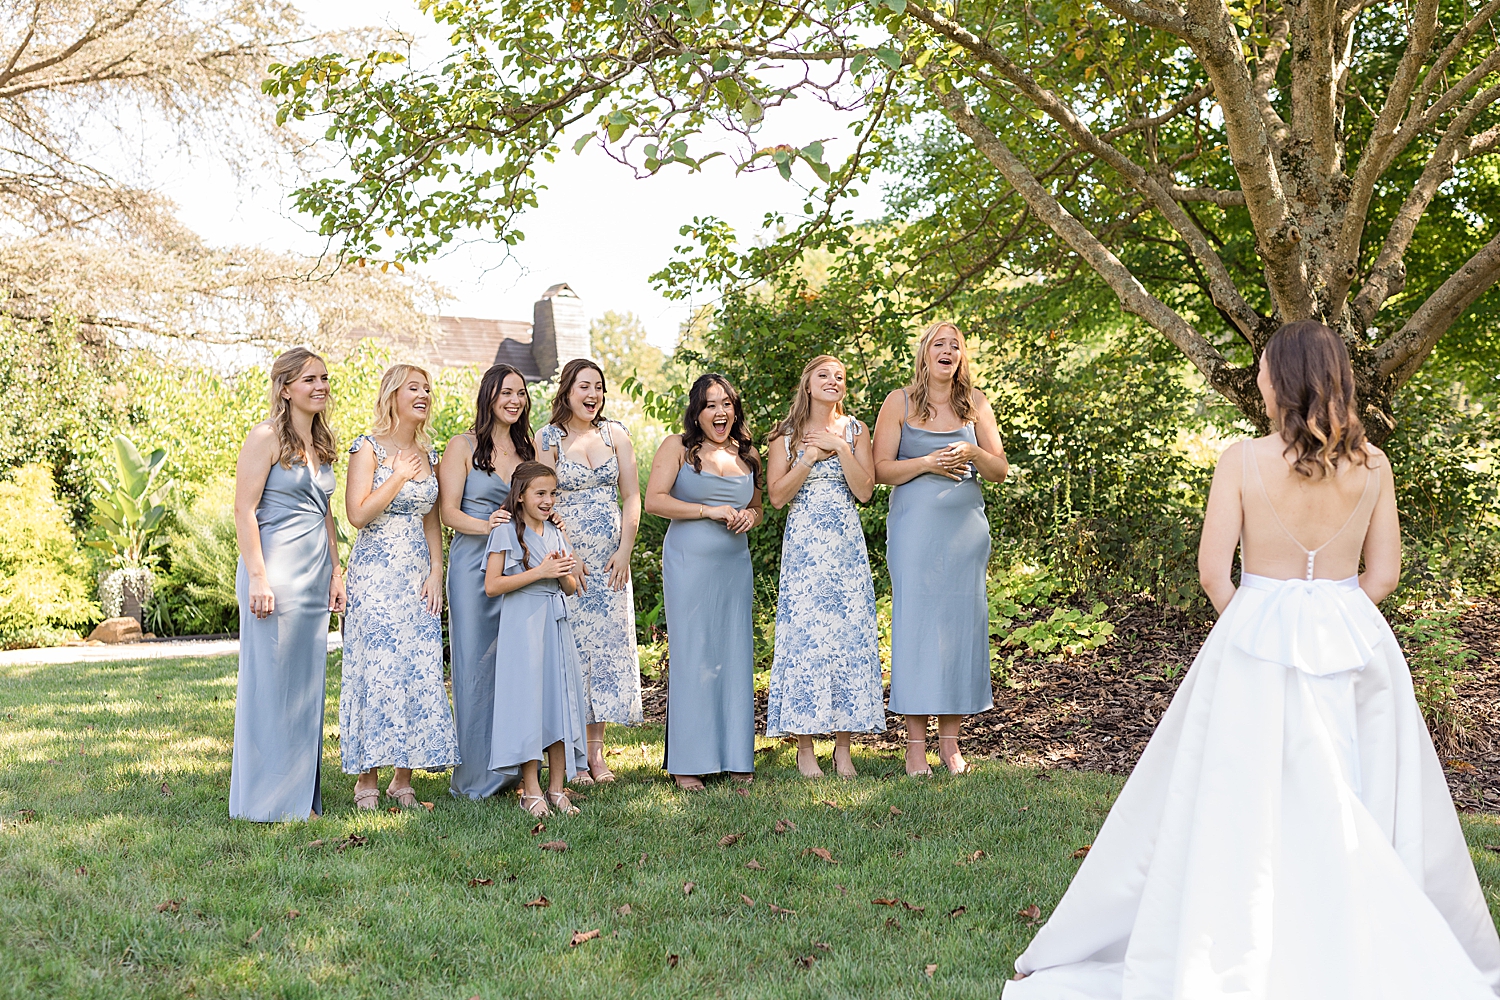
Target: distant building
[[558, 332]]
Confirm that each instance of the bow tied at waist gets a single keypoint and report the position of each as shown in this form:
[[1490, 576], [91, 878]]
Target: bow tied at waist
[[1320, 627]]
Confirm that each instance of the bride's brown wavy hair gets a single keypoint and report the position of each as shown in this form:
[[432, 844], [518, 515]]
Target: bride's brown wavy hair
[[1318, 417]]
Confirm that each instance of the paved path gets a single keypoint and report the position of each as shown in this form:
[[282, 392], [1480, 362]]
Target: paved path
[[166, 649]]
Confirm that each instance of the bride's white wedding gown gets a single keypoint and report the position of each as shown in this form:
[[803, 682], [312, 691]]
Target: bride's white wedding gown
[[1288, 832]]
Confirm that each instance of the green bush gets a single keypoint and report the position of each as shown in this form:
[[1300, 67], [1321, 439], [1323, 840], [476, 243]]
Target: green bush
[[195, 595], [45, 585]]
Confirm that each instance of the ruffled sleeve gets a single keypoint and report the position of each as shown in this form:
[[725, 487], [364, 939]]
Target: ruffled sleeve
[[555, 540], [549, 437], [359, 441], [503, 540]]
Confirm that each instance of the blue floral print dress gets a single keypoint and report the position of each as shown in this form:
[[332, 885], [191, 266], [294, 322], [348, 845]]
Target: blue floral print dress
[[825, 677], [603, 619], [393, 707]]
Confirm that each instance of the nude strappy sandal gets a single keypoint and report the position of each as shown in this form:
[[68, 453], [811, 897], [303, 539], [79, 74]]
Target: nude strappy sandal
[[606, 776], [537, 807], [562, 803], [366, 798], [925, 772], [948, 761]]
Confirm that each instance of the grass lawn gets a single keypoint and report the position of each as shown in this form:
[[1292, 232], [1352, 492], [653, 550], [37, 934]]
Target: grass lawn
[[123, 876]]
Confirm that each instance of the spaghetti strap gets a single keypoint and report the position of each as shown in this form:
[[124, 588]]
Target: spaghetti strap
[[1372, 476], [905, 406]]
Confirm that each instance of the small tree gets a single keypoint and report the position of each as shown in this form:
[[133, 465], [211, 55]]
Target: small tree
[[129, 512]]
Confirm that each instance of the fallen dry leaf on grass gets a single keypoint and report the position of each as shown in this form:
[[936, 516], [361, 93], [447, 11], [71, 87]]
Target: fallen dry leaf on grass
[[1492, 847], [742, 792], [1032, 913], [353, 840], [614, 751], [821, 853], [581, 936], [729, 840], [957, 911], [806, 961], [1461, 766], [971, 858], [886, 901], [27, 815], [624, 911], [895, 811], [830, 804], [892, 924], [316, 843], [822, 946], [540, 901], [293, 914], [688, 887], [784, 825], [783, 911], [164, 789], [429, 806], [754, 865], [913, 909], [538, 829], [82, 870], [1083, 851], [931, 969], [672, 961], [474, 882], [254, 937], [555, 845], [746, 900], [170, 905]]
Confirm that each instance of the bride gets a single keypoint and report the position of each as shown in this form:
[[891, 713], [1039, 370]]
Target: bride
[[1287, 832]]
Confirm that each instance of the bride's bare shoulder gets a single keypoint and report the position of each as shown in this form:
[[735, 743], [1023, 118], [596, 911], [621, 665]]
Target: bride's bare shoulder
[[1375, 458]]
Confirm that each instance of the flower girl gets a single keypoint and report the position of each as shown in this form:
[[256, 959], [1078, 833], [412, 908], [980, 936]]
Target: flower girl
[[539, 702]]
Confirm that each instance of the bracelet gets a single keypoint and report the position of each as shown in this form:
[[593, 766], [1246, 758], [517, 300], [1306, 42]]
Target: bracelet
[[700, 511]]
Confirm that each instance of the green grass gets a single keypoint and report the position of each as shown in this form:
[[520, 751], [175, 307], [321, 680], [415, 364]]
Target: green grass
[[87, 749]]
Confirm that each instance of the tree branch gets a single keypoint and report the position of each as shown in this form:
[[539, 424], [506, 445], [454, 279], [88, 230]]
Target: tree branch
[[1169, 19], [1401, 355], [1223, 291], [1132, 294], [1224, 199]]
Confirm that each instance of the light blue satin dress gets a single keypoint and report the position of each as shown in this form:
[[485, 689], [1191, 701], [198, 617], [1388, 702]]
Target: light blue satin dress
[[937, 548], [539, 696], [708, 586], [473, 624], [278, 709]]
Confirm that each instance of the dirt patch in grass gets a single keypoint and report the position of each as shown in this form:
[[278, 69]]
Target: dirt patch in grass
[[1095, 710]]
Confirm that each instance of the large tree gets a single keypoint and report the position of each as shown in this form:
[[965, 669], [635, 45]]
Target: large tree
[[90, 90], [1222, 167]]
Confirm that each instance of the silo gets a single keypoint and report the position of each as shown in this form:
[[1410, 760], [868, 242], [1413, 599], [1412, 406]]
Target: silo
[[559, 330]]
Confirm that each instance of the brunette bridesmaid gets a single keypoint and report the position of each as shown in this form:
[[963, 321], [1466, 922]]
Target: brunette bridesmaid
[[393, 705], [599, 499], [288, 580], [932, 439], [473, 483], [705, 481]]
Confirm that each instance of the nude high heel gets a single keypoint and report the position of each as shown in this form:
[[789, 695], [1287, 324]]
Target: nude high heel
[[926, 772]]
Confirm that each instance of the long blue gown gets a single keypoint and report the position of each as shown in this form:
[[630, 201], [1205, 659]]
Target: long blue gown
[[278, 708], [708, 585], [539, 696], [473, 624], [937, 547]]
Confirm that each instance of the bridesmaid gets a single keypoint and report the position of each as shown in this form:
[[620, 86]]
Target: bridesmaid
[[704, 481], [826, 675], [288, 580], [596, 471], [931, 440], [473, 482], [393, 707]]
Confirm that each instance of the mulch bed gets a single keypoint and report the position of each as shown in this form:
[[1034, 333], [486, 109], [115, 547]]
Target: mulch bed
[[1095, 710]]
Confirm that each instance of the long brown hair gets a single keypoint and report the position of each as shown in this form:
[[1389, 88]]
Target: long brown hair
[[1314, 382], [520, 481], [286, 369], [692, 433], [801, 409], [385, 403], [962, 396], [562, 412], [485, 419]]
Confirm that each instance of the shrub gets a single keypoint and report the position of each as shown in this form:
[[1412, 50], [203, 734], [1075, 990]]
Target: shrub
[[44, 579], [196, 594]]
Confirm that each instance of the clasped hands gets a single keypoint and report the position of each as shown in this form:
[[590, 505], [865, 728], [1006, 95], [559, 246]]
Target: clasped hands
[[737, 521], [953, 461]]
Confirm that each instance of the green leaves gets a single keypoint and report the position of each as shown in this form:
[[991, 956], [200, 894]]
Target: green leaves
[[130, 509]]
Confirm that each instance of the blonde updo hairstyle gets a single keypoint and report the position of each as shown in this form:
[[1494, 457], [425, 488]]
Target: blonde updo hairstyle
[[385, 404]]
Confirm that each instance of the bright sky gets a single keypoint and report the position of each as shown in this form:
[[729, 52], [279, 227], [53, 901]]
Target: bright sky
[[598, 229]]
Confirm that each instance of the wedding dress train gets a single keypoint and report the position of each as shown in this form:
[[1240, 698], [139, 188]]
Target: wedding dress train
[[1287, 833]]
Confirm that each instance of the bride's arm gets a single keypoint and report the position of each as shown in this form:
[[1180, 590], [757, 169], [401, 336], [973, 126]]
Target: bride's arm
[[1222, 521], [1383, 541]]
